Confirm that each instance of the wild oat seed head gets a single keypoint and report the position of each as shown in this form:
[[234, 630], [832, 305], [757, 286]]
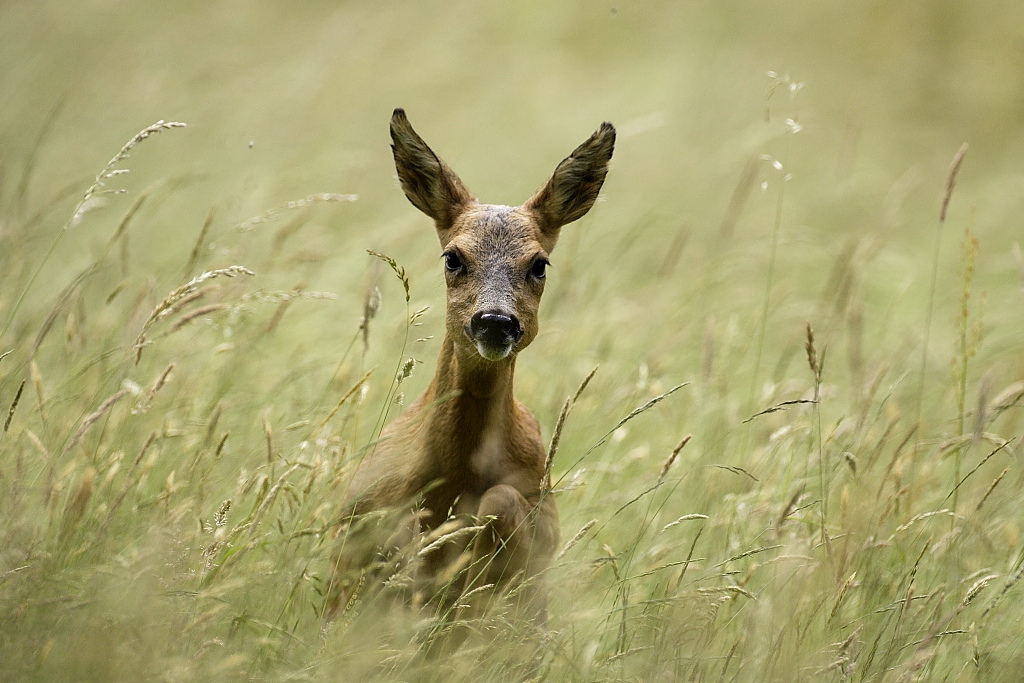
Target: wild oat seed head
[[577, 538], [108, 171], [977, 587], [954, 168], [812, 354], [406, 369], [672, 457]]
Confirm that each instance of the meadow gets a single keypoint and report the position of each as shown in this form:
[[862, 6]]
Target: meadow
[[803, 295]]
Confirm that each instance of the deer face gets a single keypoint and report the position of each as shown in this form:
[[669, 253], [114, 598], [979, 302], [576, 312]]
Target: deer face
[[494, 263], [494, 257]]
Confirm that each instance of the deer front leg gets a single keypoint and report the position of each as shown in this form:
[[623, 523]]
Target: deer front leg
[[517, 544]]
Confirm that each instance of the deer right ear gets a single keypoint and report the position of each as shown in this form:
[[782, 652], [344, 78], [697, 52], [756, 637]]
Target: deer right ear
[[428, 182], [575, 184]]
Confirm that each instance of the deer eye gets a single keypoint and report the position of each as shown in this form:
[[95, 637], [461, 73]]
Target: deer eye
[[452, 262], [537, 269]]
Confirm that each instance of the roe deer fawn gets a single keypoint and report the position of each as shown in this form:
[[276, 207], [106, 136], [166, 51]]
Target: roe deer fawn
[[466, 450]]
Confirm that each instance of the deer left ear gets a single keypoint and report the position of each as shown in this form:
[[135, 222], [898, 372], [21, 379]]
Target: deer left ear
[[575, 184]]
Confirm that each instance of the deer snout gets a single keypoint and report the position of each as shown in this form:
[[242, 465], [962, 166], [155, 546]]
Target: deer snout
[[495, 328], [494, 333]]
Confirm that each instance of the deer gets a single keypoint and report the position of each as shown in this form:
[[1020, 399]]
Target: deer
[[467, 453]]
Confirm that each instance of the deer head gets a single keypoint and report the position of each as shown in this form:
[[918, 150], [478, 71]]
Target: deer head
[[495, 256]]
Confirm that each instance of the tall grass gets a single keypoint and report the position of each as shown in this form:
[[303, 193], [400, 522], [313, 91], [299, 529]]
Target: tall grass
[[182, 405], [169, 510]]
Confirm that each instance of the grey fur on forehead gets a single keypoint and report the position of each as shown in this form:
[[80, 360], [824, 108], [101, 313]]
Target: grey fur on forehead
[[497, 228]]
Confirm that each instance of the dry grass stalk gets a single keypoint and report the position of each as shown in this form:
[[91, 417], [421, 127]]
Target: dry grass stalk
[[91, 418], [812, 354], [398, 270], [406, 370], [310, 200], [122, 227], [341, 402], [128, 479], [735, 590], [1010, 583], [584, 383], [268, 435], [908, 594], [14, 406], [842, 593], [193, 315], [269, 498], [684, 518], [190, 288], [976, 588], [87, 202], [1006, 398], [844, 657], [451, 537], [672, 458], [280, 296], [556, 435], [954, 168], [981, 408], [184, 301], [647, 406], [143, 405], [282, 308], [478, 589], [357, 591], [966, 347], [991, 488], [38, 444], [220, 444], [790, 507], [78, 502], [748, 553], [193, 258], [108, 171], [37, 383], [636, 411], [576, 539], [60, 306], [981, 463], [783, 405], [917, 518], [371, 304], [220, 518]]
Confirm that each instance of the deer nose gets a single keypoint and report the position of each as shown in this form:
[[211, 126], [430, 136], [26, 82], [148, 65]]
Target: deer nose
[[495, 328]]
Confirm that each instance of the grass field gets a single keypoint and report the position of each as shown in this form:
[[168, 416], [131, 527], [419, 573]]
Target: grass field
[[194, 354]]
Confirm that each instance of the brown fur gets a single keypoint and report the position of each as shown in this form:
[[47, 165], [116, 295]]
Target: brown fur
[[467, 447]]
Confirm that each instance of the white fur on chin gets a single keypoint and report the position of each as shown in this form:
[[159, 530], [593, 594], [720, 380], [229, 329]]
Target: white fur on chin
[[493, 353]]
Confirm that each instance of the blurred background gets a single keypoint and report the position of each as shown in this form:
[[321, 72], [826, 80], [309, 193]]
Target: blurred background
[[285, 100]]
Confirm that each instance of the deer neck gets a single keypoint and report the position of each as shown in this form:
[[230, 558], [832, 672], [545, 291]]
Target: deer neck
[[474, 405]]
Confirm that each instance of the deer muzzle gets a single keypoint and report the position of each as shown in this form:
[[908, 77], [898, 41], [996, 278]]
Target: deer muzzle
[[494, 333]]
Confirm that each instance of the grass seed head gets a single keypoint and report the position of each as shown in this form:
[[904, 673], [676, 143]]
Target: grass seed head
[[672, 457]]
